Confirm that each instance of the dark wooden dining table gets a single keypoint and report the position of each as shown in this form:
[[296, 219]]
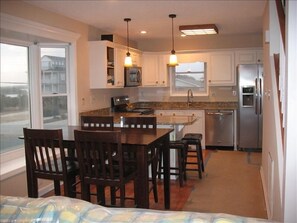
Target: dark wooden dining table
[[143, 140]]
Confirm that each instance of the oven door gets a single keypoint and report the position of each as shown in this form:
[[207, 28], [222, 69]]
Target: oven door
[[132, 76]]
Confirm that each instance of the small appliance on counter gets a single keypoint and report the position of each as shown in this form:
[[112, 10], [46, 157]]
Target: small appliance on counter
[[122, 104]]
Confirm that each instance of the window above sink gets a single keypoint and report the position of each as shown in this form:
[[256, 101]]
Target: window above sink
[[188, 75]]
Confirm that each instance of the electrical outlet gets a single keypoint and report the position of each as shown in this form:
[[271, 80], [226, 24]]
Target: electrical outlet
[[234, 93]]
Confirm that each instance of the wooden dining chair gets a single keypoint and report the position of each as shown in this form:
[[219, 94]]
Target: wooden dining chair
[[102, 163], [45, 159], [140, 122], [97, 123], [146, 122]]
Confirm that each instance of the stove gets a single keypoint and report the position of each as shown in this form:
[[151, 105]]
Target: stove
[[122, 104]]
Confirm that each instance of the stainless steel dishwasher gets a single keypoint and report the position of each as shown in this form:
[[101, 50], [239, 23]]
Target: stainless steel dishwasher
[[219, 129]]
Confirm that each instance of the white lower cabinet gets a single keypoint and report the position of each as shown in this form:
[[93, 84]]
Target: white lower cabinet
[[197, 127], [180, 130]]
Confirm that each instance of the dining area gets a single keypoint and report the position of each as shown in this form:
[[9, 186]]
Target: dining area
[[98, 154]]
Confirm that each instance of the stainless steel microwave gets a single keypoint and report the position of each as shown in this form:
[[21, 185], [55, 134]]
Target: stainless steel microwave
[[132, 76]]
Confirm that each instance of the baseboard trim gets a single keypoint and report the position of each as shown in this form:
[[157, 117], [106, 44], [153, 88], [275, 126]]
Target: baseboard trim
[[265, 194], [46, 189]]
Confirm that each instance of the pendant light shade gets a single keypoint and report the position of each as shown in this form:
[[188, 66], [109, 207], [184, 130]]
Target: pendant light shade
[[128, 59], [173, 58]]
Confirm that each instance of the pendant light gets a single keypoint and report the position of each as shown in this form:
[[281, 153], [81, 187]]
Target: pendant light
[[128, 59], [173, 58]]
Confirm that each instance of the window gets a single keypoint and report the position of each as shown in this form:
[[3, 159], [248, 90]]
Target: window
[[187, 76], [16, 98], [54, 86], [15, 109], [20, 32]]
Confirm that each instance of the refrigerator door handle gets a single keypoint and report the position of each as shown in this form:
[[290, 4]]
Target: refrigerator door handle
[[256, 96], [260, 97]]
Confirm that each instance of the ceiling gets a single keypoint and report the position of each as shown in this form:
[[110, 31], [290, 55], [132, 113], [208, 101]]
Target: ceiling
[[230, 16]]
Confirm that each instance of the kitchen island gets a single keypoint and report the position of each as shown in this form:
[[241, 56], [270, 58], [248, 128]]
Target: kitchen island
[[161, 119], [181, 116]]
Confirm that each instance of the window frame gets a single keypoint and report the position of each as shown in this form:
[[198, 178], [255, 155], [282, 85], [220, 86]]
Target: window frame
[[184, 90], [190, 57], [13, 162]]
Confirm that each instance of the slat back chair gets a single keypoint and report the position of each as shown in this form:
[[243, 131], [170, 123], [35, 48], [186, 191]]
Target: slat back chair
[[45, 158], [101, 163], [146, 122], [94, 123], [140, 122], [97, 123]]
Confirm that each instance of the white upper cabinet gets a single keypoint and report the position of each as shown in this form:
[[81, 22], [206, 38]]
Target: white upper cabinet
[[221, 69], [136, 58], [119, 67], [248, 57], [154, 70], [104, 73], [106, 64]]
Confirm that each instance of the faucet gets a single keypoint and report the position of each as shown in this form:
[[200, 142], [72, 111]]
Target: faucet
[[190, 97]]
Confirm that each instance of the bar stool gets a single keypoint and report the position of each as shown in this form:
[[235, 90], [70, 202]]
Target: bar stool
[[180, 171], [194, 139]]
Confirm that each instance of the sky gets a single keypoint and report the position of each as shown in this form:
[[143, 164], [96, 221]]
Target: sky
[[14, 61]]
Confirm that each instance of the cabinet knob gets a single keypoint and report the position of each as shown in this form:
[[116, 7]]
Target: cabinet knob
[[209, 81], [156, 82]]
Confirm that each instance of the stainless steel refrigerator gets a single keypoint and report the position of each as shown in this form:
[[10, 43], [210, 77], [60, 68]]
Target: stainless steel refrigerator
[[250, 91]]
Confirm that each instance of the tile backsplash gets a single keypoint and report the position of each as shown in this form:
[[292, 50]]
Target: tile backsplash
[[216, 94]]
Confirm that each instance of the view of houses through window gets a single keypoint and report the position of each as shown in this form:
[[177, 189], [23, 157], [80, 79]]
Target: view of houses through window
[[53, 86], [16, 98]]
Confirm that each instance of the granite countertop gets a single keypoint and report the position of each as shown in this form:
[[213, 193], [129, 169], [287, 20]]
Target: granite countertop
[[175, 120], [161, 119], [167, 119], [185, 106]]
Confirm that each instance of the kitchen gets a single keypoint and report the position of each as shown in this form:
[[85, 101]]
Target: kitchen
[[100, 98]]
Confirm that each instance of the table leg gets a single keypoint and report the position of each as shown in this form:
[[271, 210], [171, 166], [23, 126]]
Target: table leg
[[142, 179], [166, 166]]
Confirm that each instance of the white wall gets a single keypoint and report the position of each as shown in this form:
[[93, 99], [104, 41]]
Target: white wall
[[279, 157], [290, 165], [272, 157]]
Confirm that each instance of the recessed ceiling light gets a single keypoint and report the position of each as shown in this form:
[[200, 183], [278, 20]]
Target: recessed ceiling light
[[143, 32], [199, 29]]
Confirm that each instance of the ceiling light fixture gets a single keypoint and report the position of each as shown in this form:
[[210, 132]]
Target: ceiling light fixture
[[128, 59], [173, 58], [199, 29]]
